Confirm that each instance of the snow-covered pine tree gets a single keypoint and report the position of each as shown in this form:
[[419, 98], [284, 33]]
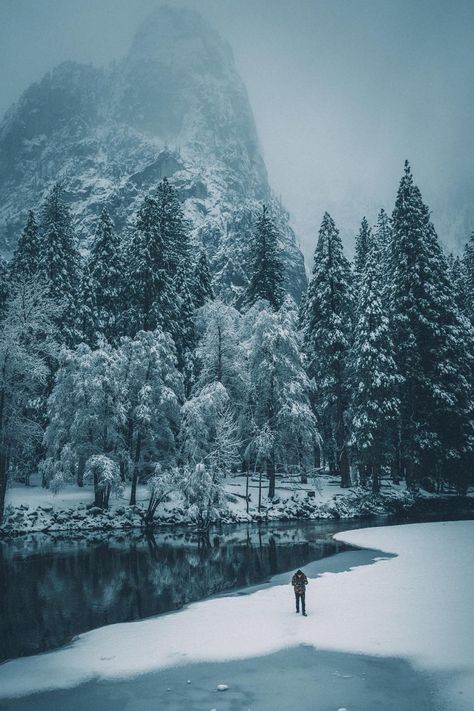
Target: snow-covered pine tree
[[5, 286], [183, 329], [375, 404], [152, 296], [383, 234], [202, 290], [27, 347], [266, 278], [458, 278], [432, 346], [363, 242], [107, 272], [326, 324], [59, 262], [25, 263], [88, 322], [468, 264], [173, 228]]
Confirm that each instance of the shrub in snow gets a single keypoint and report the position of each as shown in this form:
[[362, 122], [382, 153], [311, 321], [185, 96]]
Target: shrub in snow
[[204, 495], [161, 485], [105, 474]]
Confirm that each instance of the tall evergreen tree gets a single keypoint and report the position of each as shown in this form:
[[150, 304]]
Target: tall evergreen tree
[[326, 323], [88, 322], [363, 242], [468, 264], [157, 250], [25, 264], [375, 403], [106, 273], [458, 278], [5, 287], [152, 296], [431, 345], [59, 263], [266, 279], [183, 330], [173, 228], [202, 290]]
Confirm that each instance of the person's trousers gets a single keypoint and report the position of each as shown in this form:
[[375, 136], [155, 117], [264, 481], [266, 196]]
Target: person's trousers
[[298, 597]]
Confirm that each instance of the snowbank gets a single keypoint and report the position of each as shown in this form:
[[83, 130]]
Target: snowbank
[[33, 508], [416, 605]]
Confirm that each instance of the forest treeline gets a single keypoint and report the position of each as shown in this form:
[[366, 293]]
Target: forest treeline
[[124, 365]]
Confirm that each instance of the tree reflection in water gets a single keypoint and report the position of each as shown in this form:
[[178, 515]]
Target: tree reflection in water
[[55, 587]]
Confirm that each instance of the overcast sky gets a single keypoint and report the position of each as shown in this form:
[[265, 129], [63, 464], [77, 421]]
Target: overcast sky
[[342, 91]]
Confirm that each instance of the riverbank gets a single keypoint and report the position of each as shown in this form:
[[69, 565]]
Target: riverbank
[[35, 509], [415, 605]]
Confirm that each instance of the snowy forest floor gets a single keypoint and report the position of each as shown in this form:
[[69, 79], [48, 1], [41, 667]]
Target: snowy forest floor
[[394, 633], [34, 508]]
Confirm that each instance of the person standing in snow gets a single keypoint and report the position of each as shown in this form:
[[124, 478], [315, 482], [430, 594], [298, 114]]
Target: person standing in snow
[[299, 582]]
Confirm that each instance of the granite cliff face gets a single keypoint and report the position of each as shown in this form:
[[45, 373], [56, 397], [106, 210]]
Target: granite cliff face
[[174, 106]]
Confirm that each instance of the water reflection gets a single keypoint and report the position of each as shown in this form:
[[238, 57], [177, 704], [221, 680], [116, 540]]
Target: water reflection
[[52, 588]]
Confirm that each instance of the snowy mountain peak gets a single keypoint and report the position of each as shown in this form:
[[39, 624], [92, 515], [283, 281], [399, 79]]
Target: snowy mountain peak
[[174, 106]]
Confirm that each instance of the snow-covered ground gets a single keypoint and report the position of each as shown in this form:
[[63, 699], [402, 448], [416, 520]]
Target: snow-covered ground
[[416, 605], [33, 508]]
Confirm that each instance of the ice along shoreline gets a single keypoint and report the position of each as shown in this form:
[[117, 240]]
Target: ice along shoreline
[[387, 609]]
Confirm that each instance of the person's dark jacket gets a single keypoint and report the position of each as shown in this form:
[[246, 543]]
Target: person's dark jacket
[[299, 581]]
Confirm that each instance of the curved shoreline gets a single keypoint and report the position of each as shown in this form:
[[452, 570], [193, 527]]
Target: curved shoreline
[[388, 609]]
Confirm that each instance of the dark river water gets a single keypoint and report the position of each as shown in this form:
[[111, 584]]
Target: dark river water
[[55, 587]]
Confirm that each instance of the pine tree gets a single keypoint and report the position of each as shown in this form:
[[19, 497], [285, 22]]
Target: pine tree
[[27, 346], [158, 248], [106, 272], [5, 286], [88, 321], [152, 296], [375, 404], [202, 290], [183, 330], [326, 324], [468, 264], [383, 235], [458, 278], [266, 279], [25, 264], [173, 228], [363, 242], [432, 347], [59, 263]]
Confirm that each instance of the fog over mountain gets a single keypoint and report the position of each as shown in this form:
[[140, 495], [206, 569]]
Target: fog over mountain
[[342, 92], [174, 107]]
